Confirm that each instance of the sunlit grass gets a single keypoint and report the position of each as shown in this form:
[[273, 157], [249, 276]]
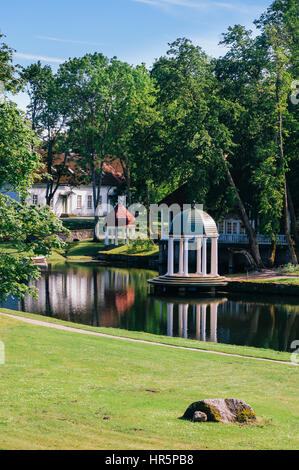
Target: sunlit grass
[[62, 390]]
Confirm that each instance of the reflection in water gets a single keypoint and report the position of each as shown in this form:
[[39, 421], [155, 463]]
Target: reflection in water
[[193, 315], [116, 297]]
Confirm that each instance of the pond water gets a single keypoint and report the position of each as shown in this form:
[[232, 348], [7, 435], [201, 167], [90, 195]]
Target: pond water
[[119, 297]]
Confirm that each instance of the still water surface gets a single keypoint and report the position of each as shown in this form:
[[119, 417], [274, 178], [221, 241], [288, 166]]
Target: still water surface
[[117, 297]]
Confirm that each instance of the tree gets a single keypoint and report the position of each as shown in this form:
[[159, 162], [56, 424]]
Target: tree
[[103, 98], [48, 112], [240, 74], [279, 28], [138, 113], [9, 78], [30, 230], [199, 118]]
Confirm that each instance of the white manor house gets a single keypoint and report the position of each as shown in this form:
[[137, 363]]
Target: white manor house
[[74, 198]]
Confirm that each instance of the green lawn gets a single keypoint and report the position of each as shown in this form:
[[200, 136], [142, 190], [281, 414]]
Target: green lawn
[[174, 341], [86, 250], [130, 250], [293, 281], [66, 390], [83, 249]]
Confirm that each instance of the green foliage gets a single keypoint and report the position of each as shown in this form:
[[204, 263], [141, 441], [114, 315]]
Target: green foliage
[[78, 223], [289, 269], [18, 162], [192, 110], [48, 110], [33, 231], [141, 245], [8, 72]]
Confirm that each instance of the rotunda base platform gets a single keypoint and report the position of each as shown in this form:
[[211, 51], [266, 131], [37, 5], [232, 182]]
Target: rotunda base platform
[[185, 285]]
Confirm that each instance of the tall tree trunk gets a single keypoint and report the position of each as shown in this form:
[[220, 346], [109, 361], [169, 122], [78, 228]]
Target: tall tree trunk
[[273, 251], [294, 225], [252, 236], [148, 215], [290, 242], [49, 171]]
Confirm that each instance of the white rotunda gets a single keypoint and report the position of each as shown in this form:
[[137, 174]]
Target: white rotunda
[[192, 230]]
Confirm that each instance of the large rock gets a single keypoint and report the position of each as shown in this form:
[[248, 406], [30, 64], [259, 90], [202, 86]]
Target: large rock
[[224, 410]]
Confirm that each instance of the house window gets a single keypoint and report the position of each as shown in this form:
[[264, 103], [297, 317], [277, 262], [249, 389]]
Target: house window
[[34, 199], [221, 227], [228, 227], [242, 229], [89, 202], [235, 227], [79, 202]]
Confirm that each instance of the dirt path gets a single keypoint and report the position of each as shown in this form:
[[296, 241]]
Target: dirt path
[[103, 335]]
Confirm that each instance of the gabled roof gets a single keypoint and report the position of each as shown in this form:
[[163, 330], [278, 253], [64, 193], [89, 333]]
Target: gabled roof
[[179, 196], [74, 174]]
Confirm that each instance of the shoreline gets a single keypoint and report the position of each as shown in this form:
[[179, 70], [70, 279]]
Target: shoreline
[[204, 346]]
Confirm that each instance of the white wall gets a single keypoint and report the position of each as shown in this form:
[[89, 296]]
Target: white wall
[[39, 191]]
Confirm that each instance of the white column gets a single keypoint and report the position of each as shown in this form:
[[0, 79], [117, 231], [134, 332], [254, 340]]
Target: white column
[[116, 236], [185, 320], [169, 319], [198, 256], [162, 225], [107, 236], [213, 322], [170, 256], [169, 222], [214, 256], [203, 322], [204, 256], [186, 246], [181, 257]]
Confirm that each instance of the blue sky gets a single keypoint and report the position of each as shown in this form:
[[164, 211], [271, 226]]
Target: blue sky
[[134, 30]]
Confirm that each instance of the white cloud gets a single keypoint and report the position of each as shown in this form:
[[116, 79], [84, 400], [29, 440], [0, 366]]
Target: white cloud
[[72, 41], [21, 55], [199, 5]]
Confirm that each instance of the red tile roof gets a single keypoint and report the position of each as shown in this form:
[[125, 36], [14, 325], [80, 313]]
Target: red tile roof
[[74, 173]]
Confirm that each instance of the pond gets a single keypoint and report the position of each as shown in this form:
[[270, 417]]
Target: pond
[[118, 297]]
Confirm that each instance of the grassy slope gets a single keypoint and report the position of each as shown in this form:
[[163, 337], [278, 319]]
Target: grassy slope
[[130, 251], [84, 249], [220, 347], [74, 251], [57, 387]]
